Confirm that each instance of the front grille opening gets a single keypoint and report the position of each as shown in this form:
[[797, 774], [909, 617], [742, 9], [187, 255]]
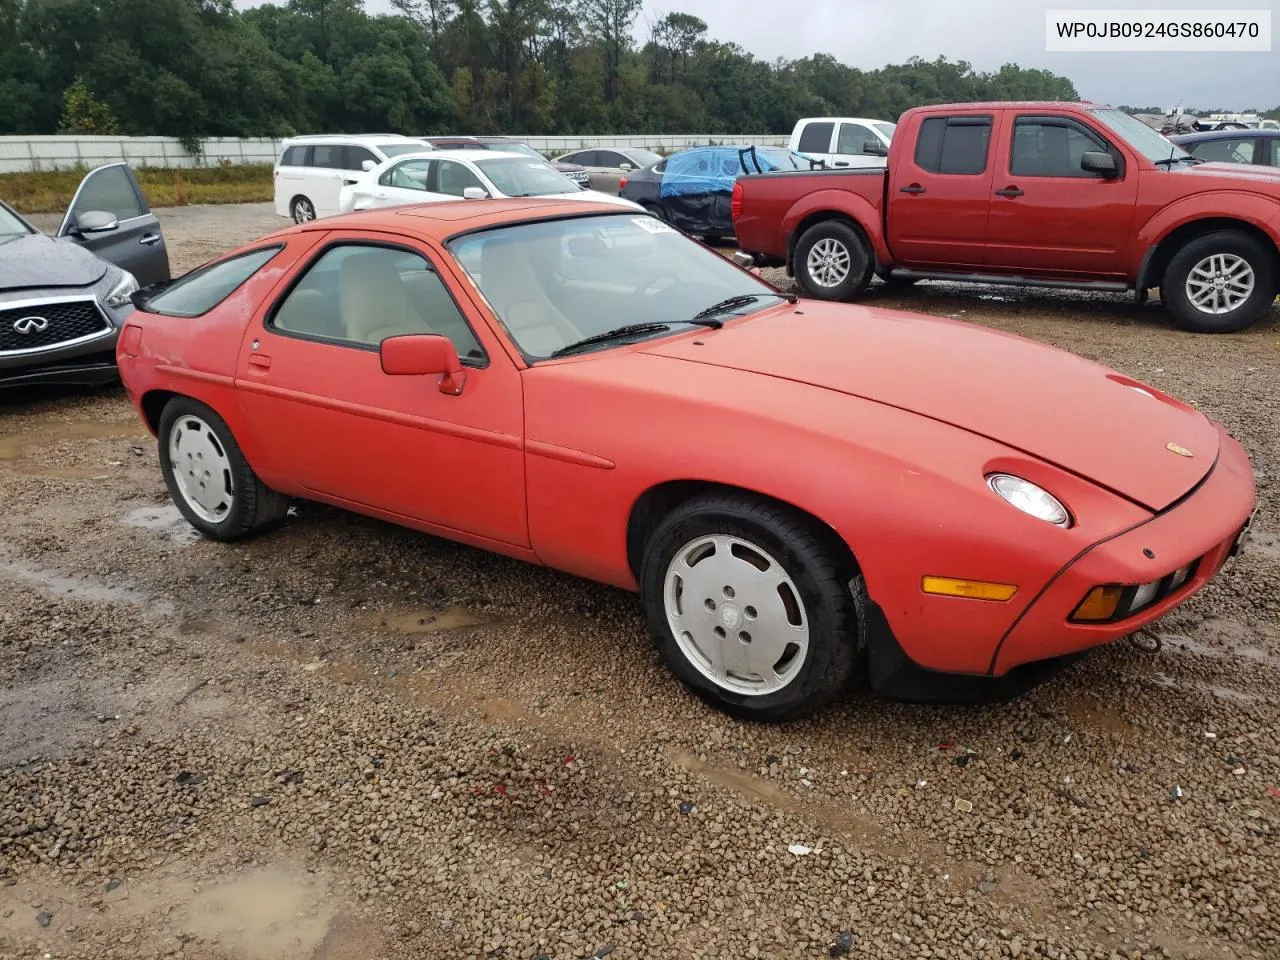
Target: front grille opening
[[1134, 599], [49, 324]]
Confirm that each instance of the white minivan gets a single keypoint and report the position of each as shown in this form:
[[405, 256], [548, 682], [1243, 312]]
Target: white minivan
[[843, 141], [312, 170]]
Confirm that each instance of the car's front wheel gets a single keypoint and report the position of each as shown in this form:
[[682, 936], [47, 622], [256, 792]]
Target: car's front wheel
[[748, 607], [208, 477], [1220, 282]]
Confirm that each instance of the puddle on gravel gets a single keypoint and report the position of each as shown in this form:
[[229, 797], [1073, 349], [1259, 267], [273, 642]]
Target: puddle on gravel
[[77, 588], [162, 519], [269, 914], [422, 621]]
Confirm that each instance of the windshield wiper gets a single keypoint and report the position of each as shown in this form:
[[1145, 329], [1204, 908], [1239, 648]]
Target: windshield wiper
[[618, 333], [1170, 161], [738, 301]]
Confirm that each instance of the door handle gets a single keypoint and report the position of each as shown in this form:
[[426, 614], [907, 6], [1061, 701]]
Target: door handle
[[149, 238], [260, 361], [840, 163], [1009, 192], [379, 196], [913, 188]]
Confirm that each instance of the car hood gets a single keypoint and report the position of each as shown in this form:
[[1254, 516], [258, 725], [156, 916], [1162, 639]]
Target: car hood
[[40, 262], [1236, 172], [1045, 402]]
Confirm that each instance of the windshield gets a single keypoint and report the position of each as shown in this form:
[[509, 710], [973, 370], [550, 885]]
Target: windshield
[[11, 224], [520, 148], [557, 282], [886, 128], [396, 149], [642, 158], [1150, 143], [526, 178]]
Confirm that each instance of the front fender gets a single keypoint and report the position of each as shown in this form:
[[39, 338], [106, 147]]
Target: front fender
[[1251, 208]]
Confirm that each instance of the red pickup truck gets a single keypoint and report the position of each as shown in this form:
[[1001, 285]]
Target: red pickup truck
[[1039, 194]]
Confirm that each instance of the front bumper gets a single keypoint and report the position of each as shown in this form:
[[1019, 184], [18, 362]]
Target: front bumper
[[1204, 529], [81, 360]]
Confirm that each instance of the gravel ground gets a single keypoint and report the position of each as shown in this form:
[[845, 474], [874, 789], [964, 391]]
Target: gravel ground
[[346, 740]]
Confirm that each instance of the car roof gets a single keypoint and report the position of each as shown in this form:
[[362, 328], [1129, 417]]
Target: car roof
[[439, 221], [1072, 105], [360, 138]]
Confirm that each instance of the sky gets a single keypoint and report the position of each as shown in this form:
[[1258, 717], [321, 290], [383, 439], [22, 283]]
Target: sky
[[987, 33]]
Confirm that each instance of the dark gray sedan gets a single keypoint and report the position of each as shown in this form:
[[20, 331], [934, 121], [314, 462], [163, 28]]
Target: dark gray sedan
[[65, 298]]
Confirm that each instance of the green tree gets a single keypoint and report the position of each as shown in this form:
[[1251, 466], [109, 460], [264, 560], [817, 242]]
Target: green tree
[[83, 113]]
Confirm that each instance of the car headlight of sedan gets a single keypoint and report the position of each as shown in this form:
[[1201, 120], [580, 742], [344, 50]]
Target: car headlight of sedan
[[119, 295], [1029, 498]]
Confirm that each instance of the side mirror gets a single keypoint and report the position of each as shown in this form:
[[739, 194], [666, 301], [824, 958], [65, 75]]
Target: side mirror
[[1095, 161], [474, 193], [367, 165], [874, 148], [421, 355], [96, 221]]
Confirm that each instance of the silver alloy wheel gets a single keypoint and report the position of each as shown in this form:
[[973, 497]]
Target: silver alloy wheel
[[1220, 283], [201, 468], [736, 615], [828, 262], [303, 211]]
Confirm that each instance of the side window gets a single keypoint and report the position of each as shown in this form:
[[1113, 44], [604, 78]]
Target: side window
[[327, 155], [455, 178], [1051, 148], [1226, 151], [294, 157], [356, 156], [586, 158], [1275, 151], [110, 190], [407, 175], [852, 137], [816, 138], [610, 159], [361, 294], [205, 287], [954, 145]]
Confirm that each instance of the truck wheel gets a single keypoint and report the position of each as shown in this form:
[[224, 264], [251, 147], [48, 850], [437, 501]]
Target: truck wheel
[[832, 262], [1219, 282]]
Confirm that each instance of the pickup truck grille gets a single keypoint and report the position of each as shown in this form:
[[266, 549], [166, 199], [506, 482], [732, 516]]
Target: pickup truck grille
[[49, 324]]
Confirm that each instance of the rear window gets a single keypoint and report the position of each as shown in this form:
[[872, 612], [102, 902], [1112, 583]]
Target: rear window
[[205, 287], [816, 138], [956, 145]]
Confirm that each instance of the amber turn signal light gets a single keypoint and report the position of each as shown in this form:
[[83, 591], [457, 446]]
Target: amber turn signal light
[[1098, 605], [969, 589]]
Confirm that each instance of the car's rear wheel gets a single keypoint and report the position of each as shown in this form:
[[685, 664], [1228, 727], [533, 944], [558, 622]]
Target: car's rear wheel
[[302, 209], [1220, 282], [748, 607], [208, 477], [832, 261]]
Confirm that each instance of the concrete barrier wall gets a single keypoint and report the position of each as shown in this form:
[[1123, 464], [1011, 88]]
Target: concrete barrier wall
[[22, 154]]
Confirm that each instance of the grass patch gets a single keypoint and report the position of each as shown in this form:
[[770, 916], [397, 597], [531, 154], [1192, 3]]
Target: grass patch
[[50, 191]]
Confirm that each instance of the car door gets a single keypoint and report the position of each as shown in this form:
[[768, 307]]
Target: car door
[[939, 195], [324, 178], [858, 146], [324, 413], [608, 170], [452, 178], [1049, 216], [136, 243], [409, 181]]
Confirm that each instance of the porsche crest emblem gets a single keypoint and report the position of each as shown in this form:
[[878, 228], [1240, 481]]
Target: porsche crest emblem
[[1180, 451]]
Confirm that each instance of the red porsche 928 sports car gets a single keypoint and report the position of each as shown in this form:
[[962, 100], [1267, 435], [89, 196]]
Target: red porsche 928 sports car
[[802, 493]]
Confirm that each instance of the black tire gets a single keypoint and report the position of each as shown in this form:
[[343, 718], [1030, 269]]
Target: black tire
[[254, 505], [830, 663], [1232, 243], [845, 238], [302, 209]]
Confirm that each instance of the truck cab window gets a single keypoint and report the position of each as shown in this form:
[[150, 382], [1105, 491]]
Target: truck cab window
[[955, 145]]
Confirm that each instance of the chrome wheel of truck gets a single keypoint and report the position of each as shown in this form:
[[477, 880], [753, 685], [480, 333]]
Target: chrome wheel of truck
[[832, 261], [1220, 282]]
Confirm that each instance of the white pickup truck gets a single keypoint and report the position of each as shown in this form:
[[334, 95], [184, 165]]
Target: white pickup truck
[[843, 141]]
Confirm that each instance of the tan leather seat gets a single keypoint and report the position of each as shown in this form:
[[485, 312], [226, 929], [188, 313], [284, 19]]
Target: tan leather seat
[[373, 301], [512, 289], [305, 311]]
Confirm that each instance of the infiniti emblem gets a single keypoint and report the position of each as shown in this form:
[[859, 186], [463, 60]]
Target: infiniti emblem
[[26, 325]]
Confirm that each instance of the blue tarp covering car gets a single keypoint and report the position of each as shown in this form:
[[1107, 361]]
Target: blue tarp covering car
[[691, 190]]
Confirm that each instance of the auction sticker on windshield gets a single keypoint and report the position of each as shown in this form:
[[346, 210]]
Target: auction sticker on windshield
[[652, 224]]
